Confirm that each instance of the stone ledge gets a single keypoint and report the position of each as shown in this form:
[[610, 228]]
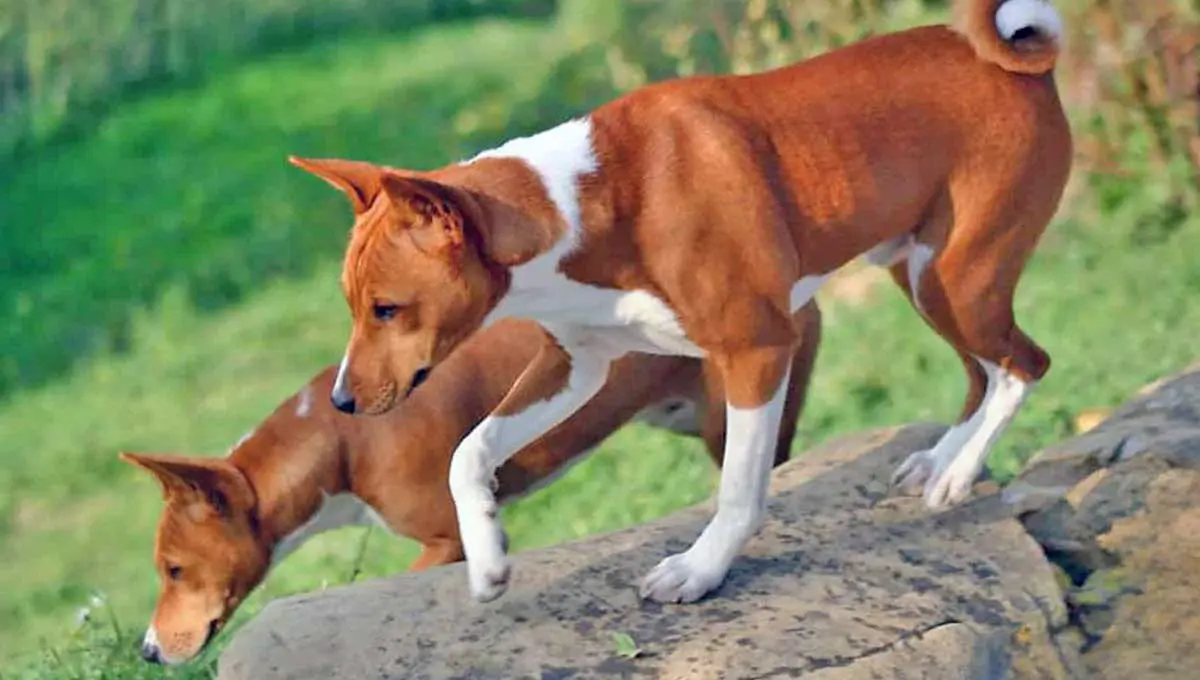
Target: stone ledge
[[842, 582]]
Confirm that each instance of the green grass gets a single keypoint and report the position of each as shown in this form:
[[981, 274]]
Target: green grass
[[188, 193], [193, 187]]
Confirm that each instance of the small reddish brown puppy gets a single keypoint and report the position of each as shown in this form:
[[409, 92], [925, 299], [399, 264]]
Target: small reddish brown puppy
[[309, 468], [693, 217]]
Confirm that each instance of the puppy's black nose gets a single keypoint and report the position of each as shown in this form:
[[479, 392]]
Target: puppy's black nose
[[419, 377], [150, 653], [342, 402]]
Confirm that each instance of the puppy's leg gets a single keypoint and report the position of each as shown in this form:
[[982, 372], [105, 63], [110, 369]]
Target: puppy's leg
[[756, 384], [560, 380]]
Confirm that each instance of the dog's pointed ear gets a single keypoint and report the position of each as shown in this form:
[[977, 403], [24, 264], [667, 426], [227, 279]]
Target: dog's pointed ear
[[436, 221], [360, 181], [213, 480]]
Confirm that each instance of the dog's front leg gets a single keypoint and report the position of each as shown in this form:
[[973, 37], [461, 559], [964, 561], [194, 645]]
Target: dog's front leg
[[563, 377], [756, 383]]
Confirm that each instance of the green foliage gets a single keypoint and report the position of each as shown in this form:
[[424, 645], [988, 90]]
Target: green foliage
[[193, 189], [98, 648], [63, 63], [626, 648]]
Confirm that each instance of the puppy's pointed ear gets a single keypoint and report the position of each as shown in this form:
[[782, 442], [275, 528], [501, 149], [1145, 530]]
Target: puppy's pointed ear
[[212, 480], [435, 216], [360, 181]]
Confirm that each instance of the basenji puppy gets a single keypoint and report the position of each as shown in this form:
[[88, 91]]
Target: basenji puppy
[[309, 468], [692, 217]]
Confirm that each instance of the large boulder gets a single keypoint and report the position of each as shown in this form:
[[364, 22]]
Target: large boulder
[[843, 582], [1118, 510]]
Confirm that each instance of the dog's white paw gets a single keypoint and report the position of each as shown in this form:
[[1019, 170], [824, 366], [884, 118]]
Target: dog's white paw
[[489, 581], [678, 579], [940, 486], [489, 574], [910, 477], [949, 487], [485, 544]]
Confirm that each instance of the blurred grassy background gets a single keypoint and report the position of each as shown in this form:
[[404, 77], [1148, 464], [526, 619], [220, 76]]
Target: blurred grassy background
[[166, 278]]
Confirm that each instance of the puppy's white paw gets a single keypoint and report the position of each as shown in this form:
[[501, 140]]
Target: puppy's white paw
[[678, 579]]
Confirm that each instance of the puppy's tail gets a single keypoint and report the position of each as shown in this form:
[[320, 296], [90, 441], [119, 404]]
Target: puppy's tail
[[1021, 36]]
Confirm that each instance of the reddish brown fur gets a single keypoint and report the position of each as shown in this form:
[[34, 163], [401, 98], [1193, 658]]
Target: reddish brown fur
[[716, 194], [545, 377], [223, 517]]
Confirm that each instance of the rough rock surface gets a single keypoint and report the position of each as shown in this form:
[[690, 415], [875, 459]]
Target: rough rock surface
[[843, 582], [1118, 510]]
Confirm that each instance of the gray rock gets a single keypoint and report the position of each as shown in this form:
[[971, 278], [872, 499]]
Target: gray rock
[[1147, 606], [843, 582], [1118, 509], [1164, 420]]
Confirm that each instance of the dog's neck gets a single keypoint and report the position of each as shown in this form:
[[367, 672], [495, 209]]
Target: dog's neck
[[294, 462]]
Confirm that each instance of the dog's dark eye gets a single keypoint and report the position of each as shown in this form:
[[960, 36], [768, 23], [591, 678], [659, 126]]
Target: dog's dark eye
[[173, 572], [385, 312]]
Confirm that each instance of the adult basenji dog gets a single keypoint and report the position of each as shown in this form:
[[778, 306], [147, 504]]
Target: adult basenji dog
[[692, 217], [309, 468]]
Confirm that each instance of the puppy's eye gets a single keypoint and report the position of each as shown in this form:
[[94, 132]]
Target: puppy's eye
[[173, 572], [385, 312]]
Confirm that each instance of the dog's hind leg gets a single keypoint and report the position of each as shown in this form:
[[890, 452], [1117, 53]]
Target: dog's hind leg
[[966, 294]]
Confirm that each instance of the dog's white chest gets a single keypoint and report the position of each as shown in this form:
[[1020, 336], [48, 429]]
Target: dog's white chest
[[612, 321], [654, 324]]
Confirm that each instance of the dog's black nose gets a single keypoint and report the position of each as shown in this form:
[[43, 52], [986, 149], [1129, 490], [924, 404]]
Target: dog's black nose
[[419, 377], [150, 653], [342, 402]]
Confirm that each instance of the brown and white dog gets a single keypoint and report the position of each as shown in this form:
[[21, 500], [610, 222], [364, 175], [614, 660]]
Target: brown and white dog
[[693, 217], [309, 468]]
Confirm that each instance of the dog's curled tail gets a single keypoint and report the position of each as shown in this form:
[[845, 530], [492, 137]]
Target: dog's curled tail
[[1021, 36]]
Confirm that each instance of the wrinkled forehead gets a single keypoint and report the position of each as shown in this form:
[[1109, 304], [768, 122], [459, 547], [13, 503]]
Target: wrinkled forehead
[[382, 261], [372, 241], [188, 529]]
